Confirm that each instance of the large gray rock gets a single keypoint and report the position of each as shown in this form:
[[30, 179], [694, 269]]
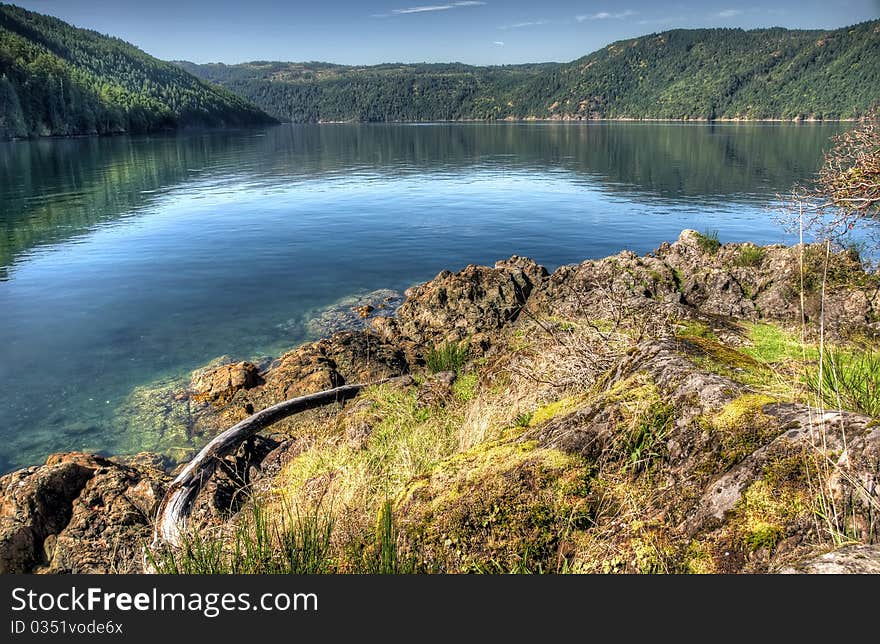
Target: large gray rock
[[848, 560]]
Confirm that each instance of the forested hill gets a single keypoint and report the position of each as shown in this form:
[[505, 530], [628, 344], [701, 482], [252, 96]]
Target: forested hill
[[685, 73], [56, 79], [308, 92]]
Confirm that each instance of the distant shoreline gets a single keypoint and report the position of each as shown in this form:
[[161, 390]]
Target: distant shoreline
[[624, 119], [190, 130]]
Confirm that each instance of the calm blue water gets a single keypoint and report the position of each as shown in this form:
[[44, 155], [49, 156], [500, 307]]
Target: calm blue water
[[127, 259]]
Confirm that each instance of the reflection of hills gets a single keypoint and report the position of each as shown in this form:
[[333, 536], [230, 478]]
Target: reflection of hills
[[51, 191]]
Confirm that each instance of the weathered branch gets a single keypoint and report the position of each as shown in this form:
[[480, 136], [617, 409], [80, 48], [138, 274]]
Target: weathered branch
[[176, 505]]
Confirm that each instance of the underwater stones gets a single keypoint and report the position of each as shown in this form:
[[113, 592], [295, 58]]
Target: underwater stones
[[353, 313]]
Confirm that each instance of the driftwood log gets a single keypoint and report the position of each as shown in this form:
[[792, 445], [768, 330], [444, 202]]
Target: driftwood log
[[176, 505]]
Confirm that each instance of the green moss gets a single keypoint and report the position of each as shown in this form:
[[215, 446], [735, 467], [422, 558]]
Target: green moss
[[465, 386], [678, 276], [742, 427], [699, 559], [553, 409], [719, 358], [766, 511], [694, 329], [501, 506]]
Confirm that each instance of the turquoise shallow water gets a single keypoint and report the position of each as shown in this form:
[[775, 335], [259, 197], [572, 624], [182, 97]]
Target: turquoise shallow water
[[127, 259]]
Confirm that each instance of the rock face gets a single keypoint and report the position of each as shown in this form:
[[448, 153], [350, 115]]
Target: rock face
[[77, 513], [472, 302]]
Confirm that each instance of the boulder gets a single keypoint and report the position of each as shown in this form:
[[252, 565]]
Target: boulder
[[78, 513], [848, 560], [456, 306]]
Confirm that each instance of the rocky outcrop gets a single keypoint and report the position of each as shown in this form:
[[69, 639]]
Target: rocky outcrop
[[727, 464], [473, 302], [77, 513], [696, 275]]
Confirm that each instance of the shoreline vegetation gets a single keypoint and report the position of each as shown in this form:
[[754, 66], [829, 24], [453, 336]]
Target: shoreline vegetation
[[706, 407], [188, 130]]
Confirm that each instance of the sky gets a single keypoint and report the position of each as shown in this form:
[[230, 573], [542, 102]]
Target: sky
[[366, 32]]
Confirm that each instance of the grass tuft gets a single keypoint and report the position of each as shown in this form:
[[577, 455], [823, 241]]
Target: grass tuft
[[749, 256], [450, 356], [708, 241], [848, 380]]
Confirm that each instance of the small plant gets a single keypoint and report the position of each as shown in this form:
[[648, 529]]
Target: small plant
[[848, 379], [449, 356], [523, 420], [384, 555], [750, 256], [708, 242], [643, 441]]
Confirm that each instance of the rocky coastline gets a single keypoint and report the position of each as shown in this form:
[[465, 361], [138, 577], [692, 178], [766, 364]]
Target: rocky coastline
[[643, 382]]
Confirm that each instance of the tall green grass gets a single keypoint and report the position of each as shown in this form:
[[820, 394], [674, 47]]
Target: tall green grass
[[450, 356], [849, 379], [294, 544]]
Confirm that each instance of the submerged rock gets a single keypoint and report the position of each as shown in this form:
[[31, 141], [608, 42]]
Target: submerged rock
[[353, 313]]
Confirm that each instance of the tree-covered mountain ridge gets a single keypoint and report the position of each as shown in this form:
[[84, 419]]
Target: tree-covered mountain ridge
[[57, 79], [717, 73]]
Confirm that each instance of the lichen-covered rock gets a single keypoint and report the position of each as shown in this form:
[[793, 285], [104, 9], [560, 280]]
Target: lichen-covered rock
[[696, 274], [78, 513]]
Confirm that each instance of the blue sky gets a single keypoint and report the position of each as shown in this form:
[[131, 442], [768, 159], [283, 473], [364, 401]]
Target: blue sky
[[375, 31]]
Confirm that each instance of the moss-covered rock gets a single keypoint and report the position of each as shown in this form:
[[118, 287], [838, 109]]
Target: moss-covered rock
[[501, 507]]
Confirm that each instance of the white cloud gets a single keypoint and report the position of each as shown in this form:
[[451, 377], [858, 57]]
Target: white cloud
[[436, 7], [500, 43], [729, 13], [605, 15], [433, 7], [529, 23]]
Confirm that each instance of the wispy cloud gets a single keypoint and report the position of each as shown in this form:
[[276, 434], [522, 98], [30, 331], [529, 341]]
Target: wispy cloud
[[500, 43], [528, 23], [430, 7], [729, 13], [605, 15]]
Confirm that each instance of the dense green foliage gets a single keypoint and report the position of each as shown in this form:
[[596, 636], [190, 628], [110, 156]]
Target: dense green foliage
[[685, 73], [56, 79], [311, 92]]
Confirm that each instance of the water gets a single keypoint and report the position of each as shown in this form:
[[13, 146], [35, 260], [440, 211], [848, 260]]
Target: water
[[127, 259]]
